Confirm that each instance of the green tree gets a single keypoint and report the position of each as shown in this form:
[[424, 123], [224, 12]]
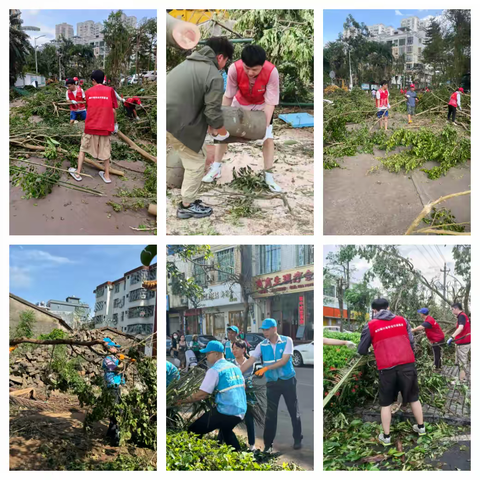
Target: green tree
[[19, 46], [359, 297], [435, 50], [458, 40], [462, 257]]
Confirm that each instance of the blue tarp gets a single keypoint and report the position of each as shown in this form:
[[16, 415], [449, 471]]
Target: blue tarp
[[298, 120]]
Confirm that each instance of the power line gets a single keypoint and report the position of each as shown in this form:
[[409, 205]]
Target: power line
[[428, 263], [441, 254], [435, 255], [430, 255]]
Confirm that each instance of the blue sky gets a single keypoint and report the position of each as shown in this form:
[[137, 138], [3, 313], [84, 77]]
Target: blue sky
[[47, 19], [333, 20], [46, 272]]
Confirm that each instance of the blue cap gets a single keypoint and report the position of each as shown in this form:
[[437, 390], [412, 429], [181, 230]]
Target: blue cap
[[268, 323], [423, 310], [234, 328], [213, 346], [110, 342]]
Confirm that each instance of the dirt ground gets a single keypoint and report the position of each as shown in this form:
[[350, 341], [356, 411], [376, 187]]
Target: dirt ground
[[293, 171], [50, 436], [364, 198]]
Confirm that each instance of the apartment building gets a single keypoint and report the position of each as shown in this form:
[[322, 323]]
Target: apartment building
[[125, 304], [64, 30], [70, 310], [89, 28]]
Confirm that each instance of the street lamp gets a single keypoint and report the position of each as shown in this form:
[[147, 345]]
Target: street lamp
[[35, 47], [348, 48]]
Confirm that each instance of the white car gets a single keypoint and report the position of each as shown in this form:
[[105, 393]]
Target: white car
[[303, 355]]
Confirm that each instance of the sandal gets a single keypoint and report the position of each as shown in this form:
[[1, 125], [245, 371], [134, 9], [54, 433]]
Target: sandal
[[102, 176], [74, 174]]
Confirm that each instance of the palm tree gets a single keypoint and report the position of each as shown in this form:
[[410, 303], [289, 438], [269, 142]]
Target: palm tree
[[19, 46]]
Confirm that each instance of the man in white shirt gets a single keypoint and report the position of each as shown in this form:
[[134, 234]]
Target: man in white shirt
[[275, 353]]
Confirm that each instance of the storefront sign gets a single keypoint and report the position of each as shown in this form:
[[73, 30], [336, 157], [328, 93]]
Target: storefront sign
[[288, 281], [219, 295], [301, 311]]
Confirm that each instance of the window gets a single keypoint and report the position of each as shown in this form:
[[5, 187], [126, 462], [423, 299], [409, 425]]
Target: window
[[117, 287], [140, 329], [140, 312], [115, 318], [410, 41], [99, 292], [329, 291], [99, 306], [138, 294], [119, 302], [409, 49], [304, 255], [226, 263], [139, 276], [122, 317], [402, 41], [269, 258], [199, 272], [152, 273]]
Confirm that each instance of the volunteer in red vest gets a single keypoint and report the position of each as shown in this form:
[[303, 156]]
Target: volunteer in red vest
[[455, 101], [252, 84], [74, 95], [100, 124], [462, 338], [434, 334], [383, 104], [130, 104], [392, 341]]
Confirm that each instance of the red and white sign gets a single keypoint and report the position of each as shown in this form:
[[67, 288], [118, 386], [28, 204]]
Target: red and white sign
[[289, 281]]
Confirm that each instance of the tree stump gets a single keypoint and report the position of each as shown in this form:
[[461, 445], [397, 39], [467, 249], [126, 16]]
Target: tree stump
[[182, 35], [245, 124]]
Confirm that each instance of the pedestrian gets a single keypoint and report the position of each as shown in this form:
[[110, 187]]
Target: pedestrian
[[275, 353], [76, 97], [412, 99], [194, 106], [402, 92], [434, 334], [334, 341], [99, 125], [253, 84], [173, 348], [232, 333], [113, 375], [393, 345], [383, 104], [225, 382], [181, 349], [374, 94], [462, 339], [172, 373], [239, 349], [455, 101]]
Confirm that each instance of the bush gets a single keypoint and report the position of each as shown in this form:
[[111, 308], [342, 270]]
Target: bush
[[186, 451]]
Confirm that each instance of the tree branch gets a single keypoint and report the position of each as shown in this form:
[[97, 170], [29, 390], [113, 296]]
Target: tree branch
[[64, 341]]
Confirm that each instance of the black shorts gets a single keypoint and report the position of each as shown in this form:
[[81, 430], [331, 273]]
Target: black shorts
[[403, 379], [129, 111]]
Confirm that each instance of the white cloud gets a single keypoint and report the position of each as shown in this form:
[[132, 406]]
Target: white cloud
[[31, 12], [39, 258], [399, 13], [19, 277]]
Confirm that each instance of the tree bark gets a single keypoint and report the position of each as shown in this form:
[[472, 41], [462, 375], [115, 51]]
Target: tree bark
[[182, 35], [246, 124]]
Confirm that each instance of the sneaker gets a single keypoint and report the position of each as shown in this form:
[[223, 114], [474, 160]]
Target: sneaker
[[385, 441], [271, 183], [252, 448], [195, 210], [420, 431], [454, 123], [268, 450], [297, 444], [214, 173]]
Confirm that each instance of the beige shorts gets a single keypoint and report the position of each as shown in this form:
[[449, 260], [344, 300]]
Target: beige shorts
[[461, 354], [98, 146]]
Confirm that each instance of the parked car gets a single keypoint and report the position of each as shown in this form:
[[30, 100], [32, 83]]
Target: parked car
[[303, 355], [253, 339], [150, 76], [202, 339]]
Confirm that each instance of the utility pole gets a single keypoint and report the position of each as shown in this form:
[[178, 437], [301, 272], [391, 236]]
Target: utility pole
[[444, 271], [35, 48], [350, 64]]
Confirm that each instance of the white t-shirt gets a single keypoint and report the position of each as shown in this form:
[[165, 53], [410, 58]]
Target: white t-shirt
[[288, 349], [210, 383]]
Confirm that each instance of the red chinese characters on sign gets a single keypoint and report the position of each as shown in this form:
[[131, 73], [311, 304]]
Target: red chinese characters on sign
[[301, 311], [277, 280], [287, 281], [259, 283], [297, 277], [308, 276], [287, 278], [268, 282]]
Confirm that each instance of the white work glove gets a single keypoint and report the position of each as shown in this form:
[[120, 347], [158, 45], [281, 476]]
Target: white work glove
[[74, 102], [351, 345], [460, 108], [115, 130], [220, 138], [388, 106], [122, 100]]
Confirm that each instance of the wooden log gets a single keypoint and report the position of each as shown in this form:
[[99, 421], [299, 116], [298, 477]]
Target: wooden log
[[152, 209], [182, 35], [23, 391], [113, 171], [135, 147], [175, 170], [246, 124]]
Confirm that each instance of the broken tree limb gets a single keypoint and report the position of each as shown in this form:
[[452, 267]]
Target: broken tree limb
[[48, 166], [23, 391], [246, 124], [135, 147], [59, 341], [428, 208], [97, 165], [182, 35]]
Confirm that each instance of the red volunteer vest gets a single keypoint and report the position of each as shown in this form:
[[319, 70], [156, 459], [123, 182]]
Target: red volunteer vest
[[100, 119], [465, 331], [434, 334], [390, 341], [255, 95], [383, 101], [77, 96], [453, 100]]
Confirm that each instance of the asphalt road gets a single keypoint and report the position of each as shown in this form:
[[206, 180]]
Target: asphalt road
[[283, 443]]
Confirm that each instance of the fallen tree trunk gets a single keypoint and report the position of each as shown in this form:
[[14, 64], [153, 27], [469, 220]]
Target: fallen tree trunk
[[182, 35], [93, 163], [59, 341], [135, 147], [246, 124]]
